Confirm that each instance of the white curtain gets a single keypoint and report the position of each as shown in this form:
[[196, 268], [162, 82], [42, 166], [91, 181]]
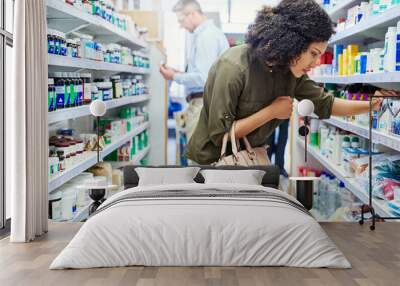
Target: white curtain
[[26, 121]]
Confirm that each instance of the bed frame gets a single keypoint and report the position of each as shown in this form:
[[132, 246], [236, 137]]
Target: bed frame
[[270, 179]]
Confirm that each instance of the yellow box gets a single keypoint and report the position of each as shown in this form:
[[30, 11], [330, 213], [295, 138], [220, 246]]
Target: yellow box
[[345, 61], [353, 50], [340, 64], [351, 65]]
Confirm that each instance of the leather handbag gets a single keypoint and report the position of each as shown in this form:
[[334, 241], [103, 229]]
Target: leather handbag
[[249, 157]]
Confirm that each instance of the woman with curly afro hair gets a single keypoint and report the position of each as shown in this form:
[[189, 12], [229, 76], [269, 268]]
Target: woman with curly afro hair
[[254, 84]]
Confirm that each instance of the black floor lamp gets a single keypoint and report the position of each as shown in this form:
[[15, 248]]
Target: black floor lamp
[[97, 190], [305, 185]]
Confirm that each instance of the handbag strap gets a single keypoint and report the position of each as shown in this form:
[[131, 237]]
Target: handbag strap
[[233, 140], [224, 144], [248, 145]]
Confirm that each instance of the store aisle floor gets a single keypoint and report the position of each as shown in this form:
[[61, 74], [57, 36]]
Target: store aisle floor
[[375, 257]]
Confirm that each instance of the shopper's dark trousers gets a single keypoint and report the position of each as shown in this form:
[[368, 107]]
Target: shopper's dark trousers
[[279, 147]]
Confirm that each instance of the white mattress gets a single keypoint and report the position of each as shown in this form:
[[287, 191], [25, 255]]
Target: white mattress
[[200, 232]]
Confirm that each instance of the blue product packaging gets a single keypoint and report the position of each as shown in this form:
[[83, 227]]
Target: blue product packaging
[[363, 64], [398, 52], [60, 95], [375, 120], [51, 49], [337, 50]]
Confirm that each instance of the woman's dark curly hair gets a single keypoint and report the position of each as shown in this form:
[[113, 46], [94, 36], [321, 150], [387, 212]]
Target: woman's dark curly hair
[[280, 34]]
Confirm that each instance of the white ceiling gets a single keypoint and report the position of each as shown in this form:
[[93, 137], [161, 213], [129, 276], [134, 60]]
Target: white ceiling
[[242, 11]]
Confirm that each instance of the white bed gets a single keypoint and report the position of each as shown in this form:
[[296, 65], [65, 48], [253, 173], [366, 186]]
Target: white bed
[[207, 230]]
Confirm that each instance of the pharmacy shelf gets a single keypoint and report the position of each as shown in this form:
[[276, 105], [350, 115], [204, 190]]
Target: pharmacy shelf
[[76, 112], [388, 140], [67, 18], [79, 63], [340, 10], [91, 159], [350, 183], [135, 161], [373, 28], [387, 77]]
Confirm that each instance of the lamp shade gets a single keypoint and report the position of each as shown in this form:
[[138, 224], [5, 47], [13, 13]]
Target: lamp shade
[[98, 108], [305, 107]]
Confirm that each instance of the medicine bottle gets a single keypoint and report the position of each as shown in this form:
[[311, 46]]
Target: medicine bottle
[[50, 44], [61, 158], [117, 86], [79, 90], [57, 45], [60, 90], [51, 95], [63, 46], [75, 90], [87, 88], [68, 92], [355, 142]]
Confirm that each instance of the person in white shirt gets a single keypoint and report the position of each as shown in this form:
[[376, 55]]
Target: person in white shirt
[[208, 43]]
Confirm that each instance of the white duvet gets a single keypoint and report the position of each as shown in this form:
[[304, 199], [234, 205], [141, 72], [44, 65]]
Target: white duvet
[[200, 231]]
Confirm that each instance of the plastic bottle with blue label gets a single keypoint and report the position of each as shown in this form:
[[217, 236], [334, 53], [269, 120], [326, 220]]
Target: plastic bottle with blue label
[[390, 50], [51, 96], [68, 91], [398, 46], [60, 90]]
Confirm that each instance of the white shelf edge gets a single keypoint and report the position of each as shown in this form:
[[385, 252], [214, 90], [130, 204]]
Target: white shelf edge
[[373, 21], [69, 174], [81, 63], [143, 153], [340, 7], [94, 20], [386, 77], [76, 112], [350, 183], [388, 140]]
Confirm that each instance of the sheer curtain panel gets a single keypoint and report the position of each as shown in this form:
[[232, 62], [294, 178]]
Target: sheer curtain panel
[[26, 118]]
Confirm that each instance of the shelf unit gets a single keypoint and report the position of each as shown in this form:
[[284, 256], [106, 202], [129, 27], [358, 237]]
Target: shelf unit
[[372, 28], [80, 63], [350, 183], [81, 111], [369, 33], [72, 20], [340, 9], [387, 77], [68, 19], [91, 158]]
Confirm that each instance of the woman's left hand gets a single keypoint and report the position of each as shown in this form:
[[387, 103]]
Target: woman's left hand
[[377, 102]]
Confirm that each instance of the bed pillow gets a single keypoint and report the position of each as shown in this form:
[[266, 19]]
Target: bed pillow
[[166, 176], [248, 177]]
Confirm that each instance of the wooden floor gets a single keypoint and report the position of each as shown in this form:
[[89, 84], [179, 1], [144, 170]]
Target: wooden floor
[[375, 257]]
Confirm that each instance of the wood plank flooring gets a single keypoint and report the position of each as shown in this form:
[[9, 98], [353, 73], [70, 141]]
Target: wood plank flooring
[[375, 257]]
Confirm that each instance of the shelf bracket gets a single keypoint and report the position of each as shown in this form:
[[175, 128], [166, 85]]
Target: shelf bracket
[[76, 29]]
